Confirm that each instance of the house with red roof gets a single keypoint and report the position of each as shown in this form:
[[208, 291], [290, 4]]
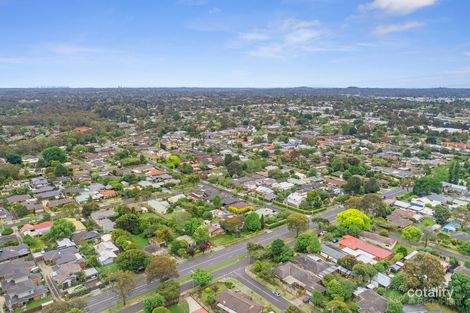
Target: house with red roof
[[36, 230], [350, 243]]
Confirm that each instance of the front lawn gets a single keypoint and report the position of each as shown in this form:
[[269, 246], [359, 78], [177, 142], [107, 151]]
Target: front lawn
[[33, 304], [140, 241], [181, 307]]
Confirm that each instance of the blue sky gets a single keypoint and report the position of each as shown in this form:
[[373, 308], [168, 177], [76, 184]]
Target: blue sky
[[235, 43]]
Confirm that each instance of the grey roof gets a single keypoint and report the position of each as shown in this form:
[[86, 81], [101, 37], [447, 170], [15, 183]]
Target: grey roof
[[8, 253], [332, 252]]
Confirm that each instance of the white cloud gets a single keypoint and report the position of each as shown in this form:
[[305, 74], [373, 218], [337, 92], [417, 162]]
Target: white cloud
[[397, 7], [394, 28], [288, 37]]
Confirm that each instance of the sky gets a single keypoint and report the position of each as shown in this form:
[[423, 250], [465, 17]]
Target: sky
[[235, 43]]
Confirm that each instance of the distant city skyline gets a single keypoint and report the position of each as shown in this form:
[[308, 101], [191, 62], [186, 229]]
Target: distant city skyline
[[256, 43]]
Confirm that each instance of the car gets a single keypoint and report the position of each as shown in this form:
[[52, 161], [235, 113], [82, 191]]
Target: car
[[306, 299], [277, 294], [335, 240], [322, 233]]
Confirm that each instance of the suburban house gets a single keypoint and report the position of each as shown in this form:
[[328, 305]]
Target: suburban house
[[106, 252], [371, 302], [376, 239], [364, 251], [36, 230], [231, 302]]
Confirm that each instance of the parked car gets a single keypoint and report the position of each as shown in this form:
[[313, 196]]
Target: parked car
[[306, 299]]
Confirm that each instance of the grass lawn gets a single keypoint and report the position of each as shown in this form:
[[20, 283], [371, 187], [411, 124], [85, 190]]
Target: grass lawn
[[181, 307], [33, 304], [140, 241], [226, 239], [106, 270]]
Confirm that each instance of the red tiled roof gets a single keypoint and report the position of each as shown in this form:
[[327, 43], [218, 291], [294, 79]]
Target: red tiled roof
[[42, 225], [357, 244]]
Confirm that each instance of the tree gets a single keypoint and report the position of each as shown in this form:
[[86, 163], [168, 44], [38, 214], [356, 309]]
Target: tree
[[232, 225], [411, 234], [129, 222], [348, 261], [54, 153], [217, 202], [454, 172], [132, 260], [60, 170], [61, 228], [89, 207], [62, 306], [152, 302], [427, 185], [173, 161], [170, 290], [297, 222], [252, 222], [317, 299], [13, 158], [75, 310], [201, 277], [337, 306], [464, 247], [161, 267], [307, 243], [279, 251], [122, 283], [371, 204], [353, 218], [235, 169], [201, 234], [364, 271], [164, 233], [459, 287], [423, 271], [394, 307], [441, 214], [321, 222], [371, 186], [354, 185]]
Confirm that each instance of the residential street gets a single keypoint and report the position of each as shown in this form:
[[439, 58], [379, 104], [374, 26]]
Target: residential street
[[107, 299]]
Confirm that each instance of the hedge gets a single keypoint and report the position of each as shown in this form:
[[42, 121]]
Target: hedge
[[241, 210], [293, 208], [276, 224]]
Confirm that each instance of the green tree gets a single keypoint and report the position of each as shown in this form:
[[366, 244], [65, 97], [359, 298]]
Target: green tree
[[459, 286], [364, 272], [354, 185], [201, 277], [252, 222], [394, 307], [337, 306], [411, 234], [353, 218], [13, 158], [427, 185], [307, 243], [297, 222], [279, 251], [161, 267], [170, 290], [122, 283], [61, 170], [441, 214], [201, 234], [152, 302], [293, 309], [61, 228], [54, 153], [454, 171], [217, 202], [423, 271], [464, 247], [128, 222], [132, 260]]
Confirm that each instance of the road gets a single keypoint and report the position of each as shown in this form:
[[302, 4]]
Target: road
[[330, 215], [260, 289], [237, 271], [107, 299]]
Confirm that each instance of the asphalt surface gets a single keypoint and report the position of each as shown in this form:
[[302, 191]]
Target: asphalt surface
[[331, 215], [260, 289], [107, 299]]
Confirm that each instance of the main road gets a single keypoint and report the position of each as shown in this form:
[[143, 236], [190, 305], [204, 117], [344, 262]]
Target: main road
[[107, 299]]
